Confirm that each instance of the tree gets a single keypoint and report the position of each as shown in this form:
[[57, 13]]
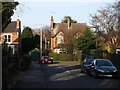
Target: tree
[[46, 40], [65, 19], [70, 40], [36, 40], [27, 40], [5, 49], [7, 11], [106, 23], [27, 32], [86, 41]]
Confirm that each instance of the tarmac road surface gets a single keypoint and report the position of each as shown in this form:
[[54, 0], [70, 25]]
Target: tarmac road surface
[[68, 75], [62, 74]]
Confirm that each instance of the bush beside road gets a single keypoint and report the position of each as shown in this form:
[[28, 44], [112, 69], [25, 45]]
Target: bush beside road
[[10, 71]]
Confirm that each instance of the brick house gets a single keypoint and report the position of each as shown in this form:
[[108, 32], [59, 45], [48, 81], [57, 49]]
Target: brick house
[[60, 30], [11, 36]]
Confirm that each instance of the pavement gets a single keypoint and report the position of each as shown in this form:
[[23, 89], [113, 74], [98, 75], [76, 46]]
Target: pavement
[[32, 78]]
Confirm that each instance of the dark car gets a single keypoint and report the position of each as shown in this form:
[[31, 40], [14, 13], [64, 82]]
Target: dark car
[[46, 59], [86, 65], [103, 67]]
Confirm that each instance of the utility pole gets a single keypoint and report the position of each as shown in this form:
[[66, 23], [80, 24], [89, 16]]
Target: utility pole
[[45, 43], [40, 42]]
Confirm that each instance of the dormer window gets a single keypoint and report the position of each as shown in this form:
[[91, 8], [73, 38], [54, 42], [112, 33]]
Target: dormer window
[[60, 39]]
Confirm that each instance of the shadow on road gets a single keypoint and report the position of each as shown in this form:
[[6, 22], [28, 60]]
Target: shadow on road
[[61, 75], [55, 62], [71, 77]]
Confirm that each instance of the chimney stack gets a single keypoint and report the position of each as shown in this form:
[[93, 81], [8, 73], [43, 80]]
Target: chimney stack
[[51, 23], [18, 24], [68, 22]]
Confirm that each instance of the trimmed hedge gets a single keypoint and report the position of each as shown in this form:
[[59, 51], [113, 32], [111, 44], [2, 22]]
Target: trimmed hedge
[[10, 71], [25, 62], [98, 53], [115, 58], [62, 57]]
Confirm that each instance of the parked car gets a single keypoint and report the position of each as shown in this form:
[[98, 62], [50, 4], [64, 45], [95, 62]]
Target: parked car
[[86, 65], [46, 59], [103, 67]]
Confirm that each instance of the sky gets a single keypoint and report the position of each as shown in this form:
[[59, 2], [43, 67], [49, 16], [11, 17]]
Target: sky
[[37, 13]]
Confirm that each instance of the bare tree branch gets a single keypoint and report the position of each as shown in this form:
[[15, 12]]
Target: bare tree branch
[[106, 23]]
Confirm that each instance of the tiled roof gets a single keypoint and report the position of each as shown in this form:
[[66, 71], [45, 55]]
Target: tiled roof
[[57, 33], [77, 27], [11, 27]]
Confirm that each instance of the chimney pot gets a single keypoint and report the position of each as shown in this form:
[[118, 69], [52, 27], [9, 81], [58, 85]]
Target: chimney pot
[[18, 23], [68, 21]]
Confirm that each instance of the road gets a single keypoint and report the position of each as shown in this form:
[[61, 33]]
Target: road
[[67, 75], [61, 75]]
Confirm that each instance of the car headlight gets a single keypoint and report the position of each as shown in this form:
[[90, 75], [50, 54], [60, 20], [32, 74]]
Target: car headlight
[[100, 70], [115, 70]]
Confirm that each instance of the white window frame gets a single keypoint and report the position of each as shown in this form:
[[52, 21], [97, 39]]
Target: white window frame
[[60, 39], [7, 38]]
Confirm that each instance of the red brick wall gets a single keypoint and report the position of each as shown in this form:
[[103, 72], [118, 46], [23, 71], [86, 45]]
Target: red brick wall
[[54, 41], [15, 36]]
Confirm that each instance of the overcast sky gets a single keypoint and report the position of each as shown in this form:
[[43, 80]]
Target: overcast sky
[[37, 13]]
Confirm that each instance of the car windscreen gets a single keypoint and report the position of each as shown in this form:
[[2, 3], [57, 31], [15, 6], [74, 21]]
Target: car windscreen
[[88, 61], [47, 57], [103, 63]]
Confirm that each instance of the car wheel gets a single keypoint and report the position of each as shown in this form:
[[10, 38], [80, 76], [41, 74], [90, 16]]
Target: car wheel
[[95, 74], [88, 72], [43, 62], [82, 71], [91, 72], [116, 76], [40, 62]]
